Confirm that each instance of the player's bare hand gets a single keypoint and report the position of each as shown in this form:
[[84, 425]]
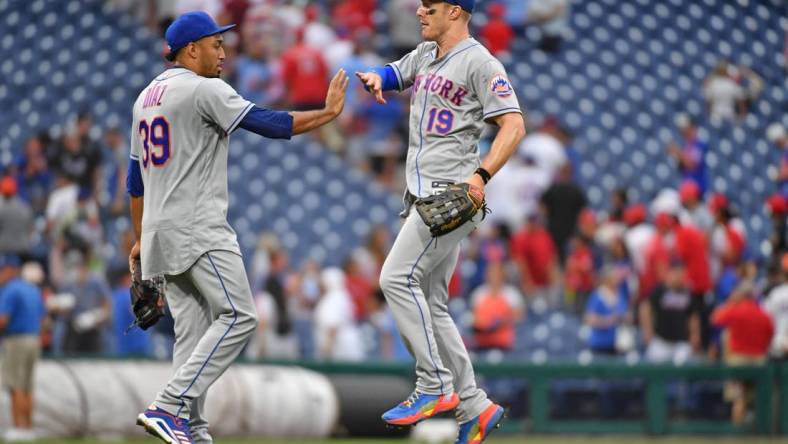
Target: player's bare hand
[[335, 98], [374, 83], [134, 256]]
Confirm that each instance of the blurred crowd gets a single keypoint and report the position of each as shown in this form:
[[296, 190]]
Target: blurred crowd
[[664, 278]]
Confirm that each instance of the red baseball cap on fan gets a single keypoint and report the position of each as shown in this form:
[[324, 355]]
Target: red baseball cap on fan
[[717, 202], [664, 221], [777, 204], [635, 214], [689, 190], [8, 187]]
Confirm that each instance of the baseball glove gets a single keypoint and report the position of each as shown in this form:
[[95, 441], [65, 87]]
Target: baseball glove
[[147, 299], [447, 211]]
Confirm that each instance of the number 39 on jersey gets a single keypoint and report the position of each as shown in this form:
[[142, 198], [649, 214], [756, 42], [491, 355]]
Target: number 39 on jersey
[[156, 146]]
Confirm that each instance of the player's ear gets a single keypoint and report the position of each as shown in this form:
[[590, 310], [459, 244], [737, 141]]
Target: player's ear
[[191, 50], [455, 13]]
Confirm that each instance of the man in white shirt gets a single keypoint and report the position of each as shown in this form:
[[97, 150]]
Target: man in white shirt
[[723, 95], [336, 335]]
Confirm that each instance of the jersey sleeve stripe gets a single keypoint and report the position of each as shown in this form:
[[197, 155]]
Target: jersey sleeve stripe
[[399, 75], [238, 119], [498, 112]]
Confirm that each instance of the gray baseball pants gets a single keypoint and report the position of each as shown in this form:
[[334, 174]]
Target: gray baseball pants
[[214, 318], [415, 280]]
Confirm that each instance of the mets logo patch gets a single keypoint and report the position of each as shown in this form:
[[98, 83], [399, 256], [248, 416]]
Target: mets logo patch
[[500, 86]]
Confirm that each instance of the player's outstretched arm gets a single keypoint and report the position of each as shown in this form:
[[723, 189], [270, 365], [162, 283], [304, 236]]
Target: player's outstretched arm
[[510, 133], [304, 121]]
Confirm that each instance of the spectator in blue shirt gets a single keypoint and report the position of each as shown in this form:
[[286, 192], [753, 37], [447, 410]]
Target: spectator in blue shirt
[[21, 314], [606, 310], [86, 322], [691, 155]]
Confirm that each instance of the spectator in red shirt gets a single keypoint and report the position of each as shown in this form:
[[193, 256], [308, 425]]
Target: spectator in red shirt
[[728, 240], [359, 288], [497, 35], [305, 75], [749, 333], [352, 16], [534, 252], [579, 271], [688, 244]]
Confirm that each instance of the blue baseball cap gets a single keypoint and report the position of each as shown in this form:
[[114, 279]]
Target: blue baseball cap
[[190, 27], [466, 5]]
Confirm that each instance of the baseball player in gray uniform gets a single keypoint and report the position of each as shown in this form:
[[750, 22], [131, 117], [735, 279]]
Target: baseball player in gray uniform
[[456, 86], [178, 183]]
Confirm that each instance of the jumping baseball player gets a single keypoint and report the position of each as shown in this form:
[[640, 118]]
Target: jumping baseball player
[[456, 86], [178, 183]]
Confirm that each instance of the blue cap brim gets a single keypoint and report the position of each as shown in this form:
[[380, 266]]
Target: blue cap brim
[[218, 30], [223, 29]]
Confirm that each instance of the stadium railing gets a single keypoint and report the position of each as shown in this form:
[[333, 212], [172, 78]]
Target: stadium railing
[[770, 384]]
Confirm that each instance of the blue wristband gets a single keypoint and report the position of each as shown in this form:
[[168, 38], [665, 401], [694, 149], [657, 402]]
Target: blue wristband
[[388, 76]]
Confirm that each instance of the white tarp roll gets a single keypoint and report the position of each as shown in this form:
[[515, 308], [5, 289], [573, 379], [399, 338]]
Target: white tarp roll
[[103, 398]]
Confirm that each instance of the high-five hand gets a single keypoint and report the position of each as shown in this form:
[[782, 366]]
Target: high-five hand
[[335, 98], [374, 83]]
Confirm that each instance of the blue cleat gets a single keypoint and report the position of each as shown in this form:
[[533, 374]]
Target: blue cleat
[[476, 430], [419, 407], [166, 427]]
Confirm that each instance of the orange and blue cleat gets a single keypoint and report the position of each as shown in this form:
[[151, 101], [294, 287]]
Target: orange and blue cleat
[[477, 429], [419, 407]]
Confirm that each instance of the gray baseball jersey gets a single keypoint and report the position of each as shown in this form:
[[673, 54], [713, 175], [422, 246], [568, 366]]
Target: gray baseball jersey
[[452, 97], [180, 137]]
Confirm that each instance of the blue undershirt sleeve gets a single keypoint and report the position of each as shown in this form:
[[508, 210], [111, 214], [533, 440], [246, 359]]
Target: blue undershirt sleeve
[[388, 76], [134, 184], [268, 123]]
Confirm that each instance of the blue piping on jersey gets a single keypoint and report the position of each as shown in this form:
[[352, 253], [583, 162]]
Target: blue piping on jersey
[[238, 118], [423, 321], [421, 122], [235, 318], [508, 108]]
